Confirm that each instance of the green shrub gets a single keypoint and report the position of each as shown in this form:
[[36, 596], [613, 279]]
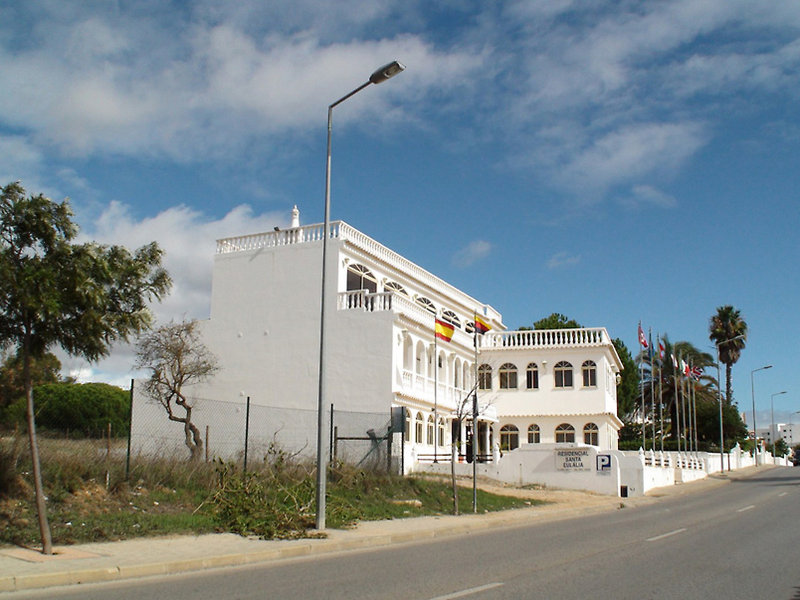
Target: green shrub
[[77, 409]]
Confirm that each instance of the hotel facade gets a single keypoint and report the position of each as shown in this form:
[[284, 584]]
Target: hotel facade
[[533, 387]]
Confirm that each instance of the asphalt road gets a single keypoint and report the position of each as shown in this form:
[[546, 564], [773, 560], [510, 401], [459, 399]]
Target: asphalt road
[[734, 541]]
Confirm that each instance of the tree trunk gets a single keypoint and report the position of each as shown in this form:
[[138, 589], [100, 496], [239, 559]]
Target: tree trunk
[[193, 439], [728, 369], [454, 458], [41, 506]]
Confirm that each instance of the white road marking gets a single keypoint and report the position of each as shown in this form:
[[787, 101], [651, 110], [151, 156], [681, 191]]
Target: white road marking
[[782, 494], [746, 508], [470, 591], [665, 535]]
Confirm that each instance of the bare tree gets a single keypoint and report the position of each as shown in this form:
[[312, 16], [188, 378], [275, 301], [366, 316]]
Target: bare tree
[[176, 357]]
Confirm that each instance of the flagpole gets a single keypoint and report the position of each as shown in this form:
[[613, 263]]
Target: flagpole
[[660, 394], [641, 383], [652, 388], [475, 422], [694, 404], [676, 426], [435, 391], [686, 445]]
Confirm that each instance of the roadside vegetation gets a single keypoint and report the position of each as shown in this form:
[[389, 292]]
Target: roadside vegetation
[[90, 499]]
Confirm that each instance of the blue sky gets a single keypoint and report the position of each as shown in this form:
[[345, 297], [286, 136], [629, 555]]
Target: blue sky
[[612, 161]]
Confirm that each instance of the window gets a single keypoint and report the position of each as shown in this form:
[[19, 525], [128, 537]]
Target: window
[[441, 432], [450, 317], [426, 304], [565, 433], [533, 434], [395, 288], [418, 427], [563, 374], [430, 430], [508, 377], [532, 377], [469, 327], [359, 277], [591, 434], [407, 434], [484, 377], [509, 437], [589, 370]]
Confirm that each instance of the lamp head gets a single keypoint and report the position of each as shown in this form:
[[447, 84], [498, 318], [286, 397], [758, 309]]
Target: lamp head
[[386, 72]]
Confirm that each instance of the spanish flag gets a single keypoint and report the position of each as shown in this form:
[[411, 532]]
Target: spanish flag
[[444, 330], [481, 326]]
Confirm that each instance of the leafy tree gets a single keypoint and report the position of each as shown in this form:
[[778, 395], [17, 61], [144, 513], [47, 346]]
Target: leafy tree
[[54, 292], [628, 387], [176, 358], [557, 321], [779, 448], [728, 330], [85, 409]]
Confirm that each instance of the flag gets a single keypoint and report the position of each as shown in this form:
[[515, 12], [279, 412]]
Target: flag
[[481, 326], [697, 372], [684, 367], [642, 339], [661, 349], [444, 330], [674, 361]]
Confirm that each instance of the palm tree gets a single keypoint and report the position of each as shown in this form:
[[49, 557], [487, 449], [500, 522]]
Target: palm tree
[[728, 331]]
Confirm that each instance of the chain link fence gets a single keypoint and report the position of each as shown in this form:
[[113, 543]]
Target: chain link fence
[[242, 431]]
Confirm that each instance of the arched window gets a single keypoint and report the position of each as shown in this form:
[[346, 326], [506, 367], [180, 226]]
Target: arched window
[[450, 317], [508, 377], [457, 373], [469, 327], [533, 434], [419, 423], [441, 431], [394, 287], [532, 376], [430, 430], [360, 277], [509, 437], [407, 434], [563, 374], [565, 433], [426, 304], [484, 377], [591, 434], [589, 370]]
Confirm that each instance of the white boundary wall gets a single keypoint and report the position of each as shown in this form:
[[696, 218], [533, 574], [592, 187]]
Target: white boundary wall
[[610, 472]]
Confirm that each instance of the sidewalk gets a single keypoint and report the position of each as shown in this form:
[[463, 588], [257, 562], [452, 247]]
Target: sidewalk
[[24, 569]]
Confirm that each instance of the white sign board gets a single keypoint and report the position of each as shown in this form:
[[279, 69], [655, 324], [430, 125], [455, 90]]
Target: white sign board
[[573, 459]]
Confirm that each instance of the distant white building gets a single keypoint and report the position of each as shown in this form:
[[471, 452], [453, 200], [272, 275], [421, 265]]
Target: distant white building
[[534, 387], [778, 431]]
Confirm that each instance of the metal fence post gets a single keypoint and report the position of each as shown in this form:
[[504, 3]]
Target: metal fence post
[[246, 432], [130, 428]]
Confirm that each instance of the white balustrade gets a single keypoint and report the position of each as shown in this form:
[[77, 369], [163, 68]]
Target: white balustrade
[[546, 338]]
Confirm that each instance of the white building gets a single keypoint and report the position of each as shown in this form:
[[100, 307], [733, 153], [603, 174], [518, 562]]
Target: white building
[[535, 386]]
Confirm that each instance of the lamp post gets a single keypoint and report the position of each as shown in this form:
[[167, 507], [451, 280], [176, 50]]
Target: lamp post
[[719, 393], [753, 394], [772, 432], [379, 76]]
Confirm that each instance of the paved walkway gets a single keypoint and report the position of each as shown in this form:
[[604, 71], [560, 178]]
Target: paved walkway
[[23, 569]]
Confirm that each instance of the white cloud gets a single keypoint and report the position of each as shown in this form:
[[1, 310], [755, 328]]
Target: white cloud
[[473, 252], [563, 259], [645, 195]]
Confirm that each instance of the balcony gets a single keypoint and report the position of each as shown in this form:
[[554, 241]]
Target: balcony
[[344, 232], [546, 338]]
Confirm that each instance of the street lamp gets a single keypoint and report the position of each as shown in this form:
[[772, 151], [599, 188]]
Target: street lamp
[[379, 76], [719, 394], [753, 394], [772, 432]]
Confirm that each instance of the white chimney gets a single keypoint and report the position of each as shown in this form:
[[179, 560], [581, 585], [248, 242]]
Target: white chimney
[[295, 217]]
